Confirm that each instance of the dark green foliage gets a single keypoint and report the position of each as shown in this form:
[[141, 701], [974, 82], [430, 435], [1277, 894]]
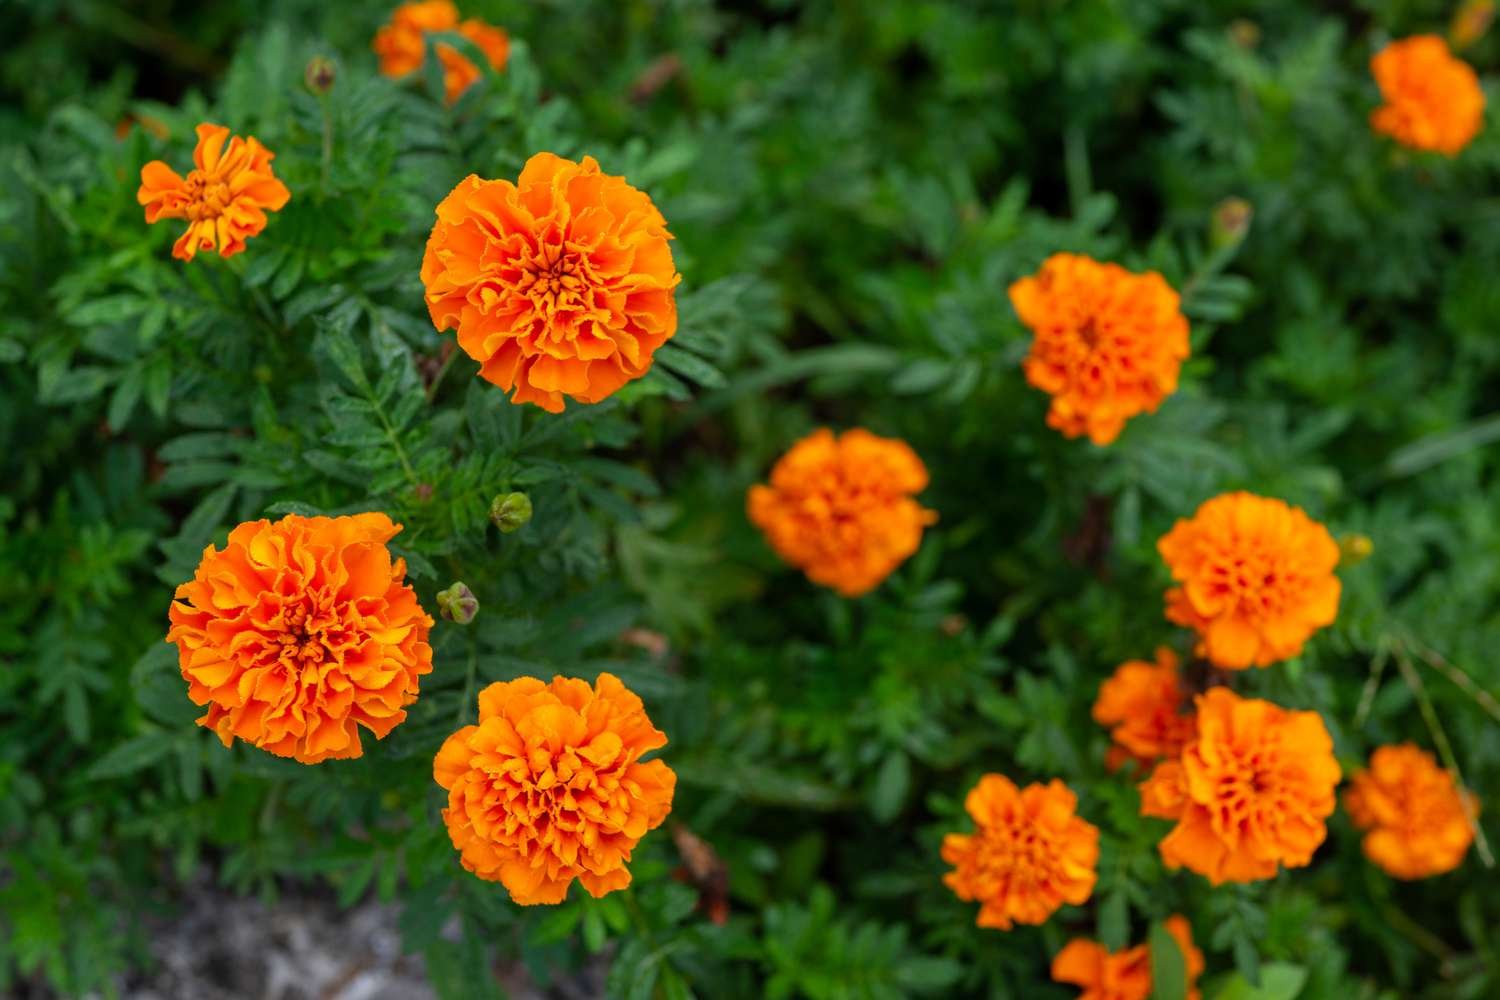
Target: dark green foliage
[[852, 188]]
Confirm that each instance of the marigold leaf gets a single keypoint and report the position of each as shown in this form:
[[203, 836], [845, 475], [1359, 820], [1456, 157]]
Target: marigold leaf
[[1168, 965]]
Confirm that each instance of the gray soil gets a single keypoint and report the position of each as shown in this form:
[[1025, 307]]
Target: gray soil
[[301, 948]]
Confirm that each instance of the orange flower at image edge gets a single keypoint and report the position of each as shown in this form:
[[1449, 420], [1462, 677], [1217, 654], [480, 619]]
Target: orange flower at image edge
[[549, 786], [1107, 344], [300, 632], [1256, 579], [559, 285], [841, 508], [1030, 853], [1417, 821], [1432, 99], [401, 45], [1123, 975], [1252, 791], [225, 197], [1142, 703]]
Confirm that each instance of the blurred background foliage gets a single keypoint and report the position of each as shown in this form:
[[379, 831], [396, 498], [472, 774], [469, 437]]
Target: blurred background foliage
[[852, 187]]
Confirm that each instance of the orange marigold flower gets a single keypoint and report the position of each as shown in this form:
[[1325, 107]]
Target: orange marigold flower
[[549, 786], [299, 632], [1252, 790], [841, 508], [1029, 855], [1417, 821], [401, 46], [1123, 975], [560, 284], [1107, 343], [225, 197], [1256, 579], [1142, 703], [1432, 98]]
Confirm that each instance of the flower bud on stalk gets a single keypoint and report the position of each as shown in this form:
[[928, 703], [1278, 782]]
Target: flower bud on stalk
[[319, 75], [510, 511], [1230, 223], [1354, 549], [458, 604], [1470, 22]]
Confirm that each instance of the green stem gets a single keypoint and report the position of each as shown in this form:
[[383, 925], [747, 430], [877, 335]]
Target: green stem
[[1212, 265], [470, 674], [1461, 680], [437, 380], [327, 147], [1372, 684], [1419, 935], [1076, 165], [395, 440]]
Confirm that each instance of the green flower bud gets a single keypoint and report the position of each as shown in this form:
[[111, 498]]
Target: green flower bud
[[1231, 221], [319, 75], [458, 604], [1355, 549], [510, 511]]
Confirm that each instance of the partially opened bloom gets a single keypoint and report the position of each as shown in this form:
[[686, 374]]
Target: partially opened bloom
[[1107, 343], [300, 632], [841, 508], [401, 44], [549, 786], [1255, 578], [1142, 704], [1251, 791], [559, 285], [1029, 853], [1417, 821], [1432, 98], [1123, 975], [224, 198]]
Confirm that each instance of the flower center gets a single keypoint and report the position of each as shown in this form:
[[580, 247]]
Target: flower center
[[207, 196], [1016, 853], [1089, 333], [300, 642], [557, 280]]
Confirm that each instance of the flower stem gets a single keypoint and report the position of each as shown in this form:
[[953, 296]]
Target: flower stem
[[437, 380], [327, 165], [1372, 684]]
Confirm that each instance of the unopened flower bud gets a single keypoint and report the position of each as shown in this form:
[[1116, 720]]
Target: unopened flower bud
[[510, 511], [458, 604], [1231, 221], [319, 75], [1470, 22], [1354, 549]]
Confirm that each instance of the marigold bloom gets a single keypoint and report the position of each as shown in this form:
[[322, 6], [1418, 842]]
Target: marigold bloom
[[1029, 855], [1252, 790], [1142, 703], [401, 45], [1417, 821], [1107, 343], [225, 197], [560, 284], [841, 508], [1256, 578], [549, 786], [1432, 98], [299, 632], [1123, 975]]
